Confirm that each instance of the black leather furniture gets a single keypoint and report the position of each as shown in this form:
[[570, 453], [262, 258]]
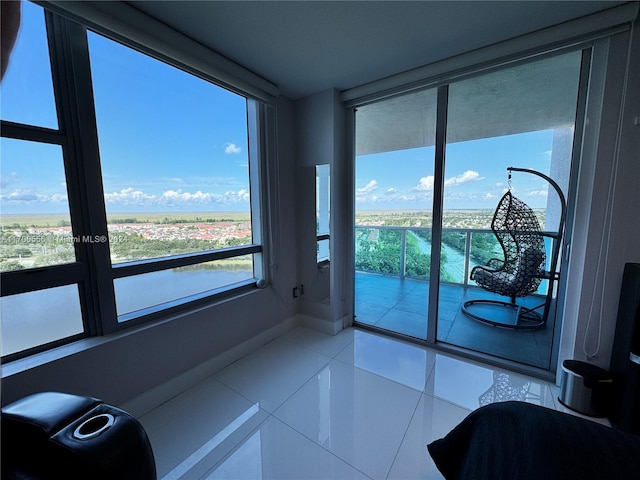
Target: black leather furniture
[[518, 440], [54, 435]]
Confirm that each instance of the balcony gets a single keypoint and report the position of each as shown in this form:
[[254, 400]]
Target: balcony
[[392, 284]]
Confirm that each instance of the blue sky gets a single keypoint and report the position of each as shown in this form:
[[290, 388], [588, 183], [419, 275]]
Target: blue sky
[[168, 141], [172, 142], [475, 174]]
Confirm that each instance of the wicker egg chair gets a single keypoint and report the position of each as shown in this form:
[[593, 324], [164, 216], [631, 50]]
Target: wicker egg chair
[[522, 267]]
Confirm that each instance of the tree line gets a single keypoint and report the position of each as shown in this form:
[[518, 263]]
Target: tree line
[[380, 251]]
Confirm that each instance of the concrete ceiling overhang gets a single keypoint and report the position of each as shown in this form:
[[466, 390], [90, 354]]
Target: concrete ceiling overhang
[[529, 97]]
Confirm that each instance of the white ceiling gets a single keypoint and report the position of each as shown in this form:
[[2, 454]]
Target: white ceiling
[[308, 46]]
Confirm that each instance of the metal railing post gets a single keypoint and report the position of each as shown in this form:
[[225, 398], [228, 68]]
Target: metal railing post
[[403, 253], [467, 257]]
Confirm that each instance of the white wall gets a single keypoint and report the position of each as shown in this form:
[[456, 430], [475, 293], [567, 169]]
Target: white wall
[[320, 135]]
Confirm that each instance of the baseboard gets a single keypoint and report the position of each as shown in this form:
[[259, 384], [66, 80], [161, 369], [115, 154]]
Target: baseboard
[[155, 397]]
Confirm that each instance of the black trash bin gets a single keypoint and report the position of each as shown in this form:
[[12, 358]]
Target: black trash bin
[[585, 388], [57, 435]]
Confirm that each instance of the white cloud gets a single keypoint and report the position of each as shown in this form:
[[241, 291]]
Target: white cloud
[[426, 183], [468, 176], [232, 148], [390, 191], [29, 196], [368, 188], [22, 196], [241, 196], [57, 197], [176, 198], [129, 196], [173, 197]]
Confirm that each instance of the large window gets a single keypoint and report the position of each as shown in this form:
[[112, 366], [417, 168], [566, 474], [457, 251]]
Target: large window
[[175, 170], [129, 187]]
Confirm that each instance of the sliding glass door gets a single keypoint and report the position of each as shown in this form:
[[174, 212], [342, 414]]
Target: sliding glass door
[[520, 116], [394, 204]]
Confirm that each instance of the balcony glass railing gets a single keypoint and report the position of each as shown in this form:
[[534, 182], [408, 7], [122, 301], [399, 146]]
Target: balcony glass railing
[[405, 252]]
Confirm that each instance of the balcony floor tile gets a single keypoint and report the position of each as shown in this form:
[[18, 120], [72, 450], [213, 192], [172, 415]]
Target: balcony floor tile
[[401, 306], [410, 324]]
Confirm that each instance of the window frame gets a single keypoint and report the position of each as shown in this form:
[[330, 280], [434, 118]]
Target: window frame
[[77, 135]]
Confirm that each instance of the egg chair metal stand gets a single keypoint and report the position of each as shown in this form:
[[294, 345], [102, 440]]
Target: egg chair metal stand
[[523, 265]]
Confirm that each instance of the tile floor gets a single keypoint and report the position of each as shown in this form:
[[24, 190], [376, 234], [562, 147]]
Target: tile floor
[[356, 405]]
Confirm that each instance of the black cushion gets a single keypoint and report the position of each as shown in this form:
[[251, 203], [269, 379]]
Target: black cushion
[[517, 440]]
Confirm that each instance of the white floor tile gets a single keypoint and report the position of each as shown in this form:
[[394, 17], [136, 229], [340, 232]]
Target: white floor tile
[[355, 405], [329, 345], [396, 360], [198, 427], [358, 416], [471, 385], [432, 420], [275, 451], [273, 373]]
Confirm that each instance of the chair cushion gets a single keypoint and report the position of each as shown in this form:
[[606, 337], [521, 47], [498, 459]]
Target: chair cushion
[[47, 411]]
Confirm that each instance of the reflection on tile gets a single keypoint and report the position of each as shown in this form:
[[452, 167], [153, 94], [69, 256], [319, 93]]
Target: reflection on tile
[[271, 374], [198, 427], [433, 419], [275, 451], [396, 360], [358, 416], [471, 385]]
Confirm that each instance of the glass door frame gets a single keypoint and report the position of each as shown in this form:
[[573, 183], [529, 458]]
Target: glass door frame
[[442, 86], [442, 106]]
